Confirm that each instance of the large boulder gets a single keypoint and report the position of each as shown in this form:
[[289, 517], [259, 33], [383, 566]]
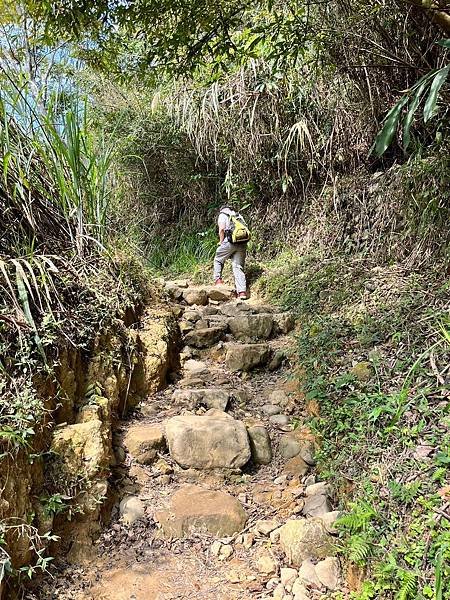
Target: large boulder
[[194, 509], [248, 327], [196, 296], [305, 538], [210, 397], [204, 337], [213, 440], [245, 357], [144, 442]]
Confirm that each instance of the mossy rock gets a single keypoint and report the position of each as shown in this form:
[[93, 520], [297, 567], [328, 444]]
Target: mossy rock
[[362, 371]]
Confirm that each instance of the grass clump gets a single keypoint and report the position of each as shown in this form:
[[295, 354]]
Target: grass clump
[[58, 279]]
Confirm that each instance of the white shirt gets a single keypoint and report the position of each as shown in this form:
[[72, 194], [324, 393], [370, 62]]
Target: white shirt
[[224, 219]]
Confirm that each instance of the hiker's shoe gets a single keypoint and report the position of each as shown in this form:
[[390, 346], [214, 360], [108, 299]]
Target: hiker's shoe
[[242, 295], [219, 281]]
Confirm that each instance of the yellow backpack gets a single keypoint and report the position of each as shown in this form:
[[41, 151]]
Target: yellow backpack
[[239, 232]]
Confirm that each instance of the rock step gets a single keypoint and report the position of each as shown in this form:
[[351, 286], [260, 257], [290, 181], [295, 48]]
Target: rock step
[[246, 357], [198, 295], [210, 397], [194, 509], [195, 326], [143, 442], [211, 441], [216, 440]]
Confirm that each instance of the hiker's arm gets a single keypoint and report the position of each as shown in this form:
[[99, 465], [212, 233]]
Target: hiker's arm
[[221, 223]]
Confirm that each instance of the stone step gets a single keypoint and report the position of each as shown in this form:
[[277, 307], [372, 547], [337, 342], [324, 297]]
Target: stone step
[[198, 295], [211, 441], [194, 509], [204, 337], [251, 327], [144, 441], [243, 326], [210, 397], [245, 357]]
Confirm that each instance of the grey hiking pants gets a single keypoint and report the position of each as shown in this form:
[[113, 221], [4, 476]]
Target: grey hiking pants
[[237, 254]]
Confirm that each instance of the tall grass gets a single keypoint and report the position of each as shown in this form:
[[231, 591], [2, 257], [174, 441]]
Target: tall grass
[[184, 253], [54, 198]]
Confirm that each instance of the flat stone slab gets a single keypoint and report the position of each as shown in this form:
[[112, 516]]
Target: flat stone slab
[[235, 309], [220, 293], [210, 397], [211, 441], [194, 509], [245, 357]]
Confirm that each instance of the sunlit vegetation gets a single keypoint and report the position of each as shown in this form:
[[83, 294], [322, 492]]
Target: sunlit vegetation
[[125, 125]]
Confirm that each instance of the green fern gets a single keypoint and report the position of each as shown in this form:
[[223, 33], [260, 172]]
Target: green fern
[[359, 519], [408, 587], [367, 592], [359, 547]]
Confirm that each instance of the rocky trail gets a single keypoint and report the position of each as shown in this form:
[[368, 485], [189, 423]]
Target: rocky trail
[[216, 495]]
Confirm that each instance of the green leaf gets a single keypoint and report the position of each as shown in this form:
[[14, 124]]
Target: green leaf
[[23, 296], [411, 112], [385, 136], [442, 458], [430, 109], [444, 43]]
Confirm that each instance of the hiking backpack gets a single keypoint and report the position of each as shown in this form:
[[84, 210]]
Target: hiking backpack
[[238, 232]]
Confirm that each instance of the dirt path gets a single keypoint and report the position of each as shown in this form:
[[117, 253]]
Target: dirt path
[[138, 557]]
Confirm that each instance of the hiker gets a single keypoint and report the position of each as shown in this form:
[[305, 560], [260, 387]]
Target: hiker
[[233, 237]]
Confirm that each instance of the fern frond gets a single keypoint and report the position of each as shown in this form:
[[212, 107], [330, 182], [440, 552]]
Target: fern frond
[[359, 518], [408, 587], [360, 548]]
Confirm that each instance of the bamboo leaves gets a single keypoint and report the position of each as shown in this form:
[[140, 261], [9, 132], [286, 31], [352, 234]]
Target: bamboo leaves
[[54, 197], [386, 135], [438, 81], [397, 117]]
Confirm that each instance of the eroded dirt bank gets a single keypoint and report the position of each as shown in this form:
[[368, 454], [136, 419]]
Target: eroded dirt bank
[[60, 487]]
